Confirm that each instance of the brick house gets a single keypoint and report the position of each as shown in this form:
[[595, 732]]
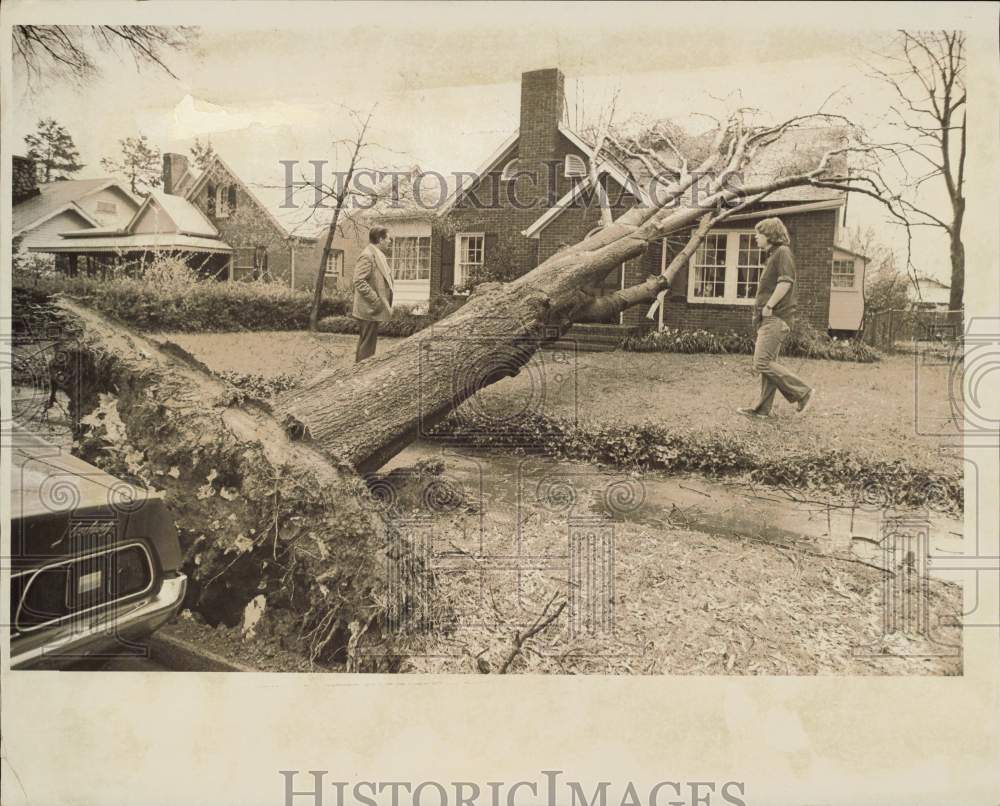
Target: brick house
[[261, 246], [532, 196]]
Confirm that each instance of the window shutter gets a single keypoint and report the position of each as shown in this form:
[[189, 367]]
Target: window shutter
[[211, 199], [490, 250], [232, 198], [447, 263]]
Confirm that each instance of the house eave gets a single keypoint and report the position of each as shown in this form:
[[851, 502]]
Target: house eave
[[801, 207], [69, 207], [484, 169], [623, 179]]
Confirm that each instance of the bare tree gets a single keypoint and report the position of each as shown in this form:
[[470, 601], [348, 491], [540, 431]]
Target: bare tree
[[67, 51], [352, 202], [926, 70], [344, 194]]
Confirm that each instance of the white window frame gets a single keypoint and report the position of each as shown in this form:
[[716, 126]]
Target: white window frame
[[423, 270], [222, 201], [107, 207], [334, 265], [731, 277], [243, 262], [462, 279], [854, 274]]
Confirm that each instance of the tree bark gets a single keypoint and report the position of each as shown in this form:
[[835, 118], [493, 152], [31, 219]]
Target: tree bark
[[321, 271], [368, 413], [956, 296]]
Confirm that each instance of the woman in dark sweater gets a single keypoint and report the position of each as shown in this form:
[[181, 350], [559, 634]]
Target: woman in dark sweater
[[774, 313]]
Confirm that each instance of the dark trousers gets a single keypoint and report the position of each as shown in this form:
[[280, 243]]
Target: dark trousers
[[367, 338]]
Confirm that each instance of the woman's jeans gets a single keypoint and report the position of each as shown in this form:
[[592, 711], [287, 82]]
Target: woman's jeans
[[774, 377]]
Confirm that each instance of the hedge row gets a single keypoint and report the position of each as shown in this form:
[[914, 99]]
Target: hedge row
[[191, 307], [802, 342], [876, 484]]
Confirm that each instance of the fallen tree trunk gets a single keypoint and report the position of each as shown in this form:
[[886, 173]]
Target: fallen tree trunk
[[367, 414], [258, 515]]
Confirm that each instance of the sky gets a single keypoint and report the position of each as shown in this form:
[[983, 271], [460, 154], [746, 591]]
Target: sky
[[445, 91]]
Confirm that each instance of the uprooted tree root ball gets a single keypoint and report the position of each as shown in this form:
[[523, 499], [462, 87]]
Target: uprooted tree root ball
[[258, 515]]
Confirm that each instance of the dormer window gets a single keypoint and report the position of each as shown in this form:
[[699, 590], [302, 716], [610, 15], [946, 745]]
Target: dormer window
[[574, 166], [509, 171], [221, 202]]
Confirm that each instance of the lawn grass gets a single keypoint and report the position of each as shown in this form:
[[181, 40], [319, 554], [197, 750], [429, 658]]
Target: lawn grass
[[897, 409]]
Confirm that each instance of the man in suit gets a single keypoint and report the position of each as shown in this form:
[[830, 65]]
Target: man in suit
[[373, 286]]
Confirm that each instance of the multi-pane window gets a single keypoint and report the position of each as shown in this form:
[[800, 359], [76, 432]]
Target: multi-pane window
[[243, 263], [410, 258], [107, 207], [334, 264], [726, 269], [842, 274], [749, 265], [469, 253], [709, 267]]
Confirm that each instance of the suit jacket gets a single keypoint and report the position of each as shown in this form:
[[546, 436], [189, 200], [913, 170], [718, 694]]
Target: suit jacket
[[372, 289]]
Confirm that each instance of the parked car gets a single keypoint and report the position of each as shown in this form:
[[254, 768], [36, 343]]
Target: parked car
[[94, 559]]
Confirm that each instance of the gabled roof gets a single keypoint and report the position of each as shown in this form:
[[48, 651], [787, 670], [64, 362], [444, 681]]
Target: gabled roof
[[924, 279], [468, 182], [506, 151], [186, 218], [218, 162], [852, 253], [578, 190], [179, 225], [57, 197]]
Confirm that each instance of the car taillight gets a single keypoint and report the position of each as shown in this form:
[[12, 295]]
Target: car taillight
[[75, 587]]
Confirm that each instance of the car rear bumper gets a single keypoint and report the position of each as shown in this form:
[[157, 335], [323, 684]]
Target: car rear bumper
[[113, 633]]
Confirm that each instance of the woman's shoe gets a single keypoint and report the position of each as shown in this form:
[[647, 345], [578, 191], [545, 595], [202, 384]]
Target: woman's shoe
[[806, 401]]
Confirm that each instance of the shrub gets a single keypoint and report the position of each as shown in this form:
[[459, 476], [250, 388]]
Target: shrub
[[803, 342], [651, 446], [169, 296]]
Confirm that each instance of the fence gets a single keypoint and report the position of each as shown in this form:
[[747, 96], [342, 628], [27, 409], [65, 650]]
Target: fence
[[905, 329]]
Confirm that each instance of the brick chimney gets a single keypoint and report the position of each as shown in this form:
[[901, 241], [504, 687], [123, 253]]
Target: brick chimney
[[24, 181], [541, 113], [174, 168]]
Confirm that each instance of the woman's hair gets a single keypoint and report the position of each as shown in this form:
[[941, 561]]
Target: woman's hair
[[376, 234], [774, 231]]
